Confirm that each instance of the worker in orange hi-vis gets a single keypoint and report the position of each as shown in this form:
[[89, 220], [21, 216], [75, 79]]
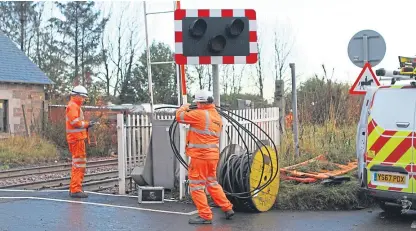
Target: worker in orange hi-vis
[[203, 149], [76, 133], [289, 119]]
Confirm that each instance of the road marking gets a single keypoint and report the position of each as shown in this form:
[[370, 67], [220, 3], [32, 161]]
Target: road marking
[[31, 190], [413, 225], [194, 212], [101, 204], [63, 190]]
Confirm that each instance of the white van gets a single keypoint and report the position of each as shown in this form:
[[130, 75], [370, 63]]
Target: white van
[[385, 146]]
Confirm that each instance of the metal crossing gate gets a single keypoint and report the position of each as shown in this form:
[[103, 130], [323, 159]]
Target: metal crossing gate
[[134, 133]]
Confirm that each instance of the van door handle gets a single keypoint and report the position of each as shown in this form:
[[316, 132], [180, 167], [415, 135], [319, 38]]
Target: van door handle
[[402, 124]]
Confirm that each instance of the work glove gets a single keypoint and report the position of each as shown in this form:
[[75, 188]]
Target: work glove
[[92, 123], [193, 106]]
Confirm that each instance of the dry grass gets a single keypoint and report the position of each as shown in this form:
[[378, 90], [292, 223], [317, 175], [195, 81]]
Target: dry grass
[[345, 196], [317, 166], [337, 144], [26, 150]]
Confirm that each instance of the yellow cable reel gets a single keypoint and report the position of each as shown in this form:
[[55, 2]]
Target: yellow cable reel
[[265, 199], [262, 167]]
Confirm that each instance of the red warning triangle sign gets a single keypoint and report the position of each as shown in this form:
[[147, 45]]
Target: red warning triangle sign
[[365, 79]]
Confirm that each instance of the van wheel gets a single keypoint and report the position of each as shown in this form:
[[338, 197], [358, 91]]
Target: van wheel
[[390, 209]]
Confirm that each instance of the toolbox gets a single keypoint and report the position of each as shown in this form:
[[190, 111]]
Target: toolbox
[[151, 194]]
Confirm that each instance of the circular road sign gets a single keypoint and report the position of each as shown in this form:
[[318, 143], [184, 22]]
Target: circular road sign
[[366, 45]]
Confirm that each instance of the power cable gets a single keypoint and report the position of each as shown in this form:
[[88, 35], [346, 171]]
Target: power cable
[[234, 172]]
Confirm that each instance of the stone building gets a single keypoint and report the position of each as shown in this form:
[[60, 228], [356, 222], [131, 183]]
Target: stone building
[[22, 90]]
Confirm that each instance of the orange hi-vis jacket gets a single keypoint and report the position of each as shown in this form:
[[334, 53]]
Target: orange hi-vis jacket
[[202, 141], [76, 126]]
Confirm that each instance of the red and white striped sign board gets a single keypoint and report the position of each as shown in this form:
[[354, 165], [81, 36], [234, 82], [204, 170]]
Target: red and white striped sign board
[[195, 60]]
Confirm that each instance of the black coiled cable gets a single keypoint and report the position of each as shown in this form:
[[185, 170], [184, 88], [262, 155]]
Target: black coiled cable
[[234, 173]]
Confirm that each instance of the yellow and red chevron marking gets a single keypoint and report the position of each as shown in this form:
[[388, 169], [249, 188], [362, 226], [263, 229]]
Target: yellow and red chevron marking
[[392, 148]]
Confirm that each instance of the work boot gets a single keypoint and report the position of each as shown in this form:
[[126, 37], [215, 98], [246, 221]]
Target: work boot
[[199, 220], [229, 214], [78, 195]]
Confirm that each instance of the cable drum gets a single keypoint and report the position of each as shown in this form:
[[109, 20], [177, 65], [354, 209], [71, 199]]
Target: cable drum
[[250, 180], [236, 174]]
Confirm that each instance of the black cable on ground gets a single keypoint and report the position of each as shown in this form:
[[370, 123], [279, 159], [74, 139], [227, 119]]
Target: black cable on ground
[[234, 172]]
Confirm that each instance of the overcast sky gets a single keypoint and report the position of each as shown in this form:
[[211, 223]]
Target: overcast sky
[[321, 29]]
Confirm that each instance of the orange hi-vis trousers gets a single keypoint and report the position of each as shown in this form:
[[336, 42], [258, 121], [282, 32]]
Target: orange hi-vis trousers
[[79, 163], [202, 173]]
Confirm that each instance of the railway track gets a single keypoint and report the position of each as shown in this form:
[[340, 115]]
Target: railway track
[[92, 182], [52, 169]]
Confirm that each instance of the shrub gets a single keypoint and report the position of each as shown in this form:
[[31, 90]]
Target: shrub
[[21, 150], [102, 136]]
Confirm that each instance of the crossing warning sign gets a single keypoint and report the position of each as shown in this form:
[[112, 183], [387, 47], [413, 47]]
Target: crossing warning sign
[[365, 79]]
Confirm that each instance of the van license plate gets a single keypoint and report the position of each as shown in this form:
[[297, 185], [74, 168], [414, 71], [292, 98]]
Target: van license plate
[[389, 178]]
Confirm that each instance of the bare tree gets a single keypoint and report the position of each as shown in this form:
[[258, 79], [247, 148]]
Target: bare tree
[[209, 74], [201, 71], [225, 78], [283, 45], [238, 80], [259, 70], [120, 52], [282, 49]]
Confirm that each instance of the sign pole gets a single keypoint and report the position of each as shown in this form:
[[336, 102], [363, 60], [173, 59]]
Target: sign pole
[[217, 101], [216, 84], [295, 110]]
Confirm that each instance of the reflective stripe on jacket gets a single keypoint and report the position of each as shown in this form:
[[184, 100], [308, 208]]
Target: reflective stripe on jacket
[[75, 123], [203, 137]]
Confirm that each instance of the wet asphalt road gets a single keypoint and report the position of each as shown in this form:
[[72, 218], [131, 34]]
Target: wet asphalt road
[[56, 211]]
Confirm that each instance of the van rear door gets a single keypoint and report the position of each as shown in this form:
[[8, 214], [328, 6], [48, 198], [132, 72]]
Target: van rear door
[[391, 125], [361, 136]]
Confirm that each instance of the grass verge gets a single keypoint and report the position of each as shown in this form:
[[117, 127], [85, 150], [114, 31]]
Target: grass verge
[[18, 150], [337, 144], [316, 196]]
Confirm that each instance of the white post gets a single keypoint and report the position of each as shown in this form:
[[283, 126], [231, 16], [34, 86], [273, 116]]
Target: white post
[[182, 173], [149, 62], [223, 137], [121, 154]]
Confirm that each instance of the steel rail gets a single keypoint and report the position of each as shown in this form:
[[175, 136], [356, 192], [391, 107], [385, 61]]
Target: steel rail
[[53, 183], [52, 169]]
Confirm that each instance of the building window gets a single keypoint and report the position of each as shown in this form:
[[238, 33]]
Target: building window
[[3, 116]]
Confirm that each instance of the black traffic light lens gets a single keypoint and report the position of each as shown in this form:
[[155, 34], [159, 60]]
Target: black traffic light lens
[[217, 43], [198, 28], [235, 28]]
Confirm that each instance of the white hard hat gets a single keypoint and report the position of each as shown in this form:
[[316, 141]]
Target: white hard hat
[[79, 90], [203, 96]]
